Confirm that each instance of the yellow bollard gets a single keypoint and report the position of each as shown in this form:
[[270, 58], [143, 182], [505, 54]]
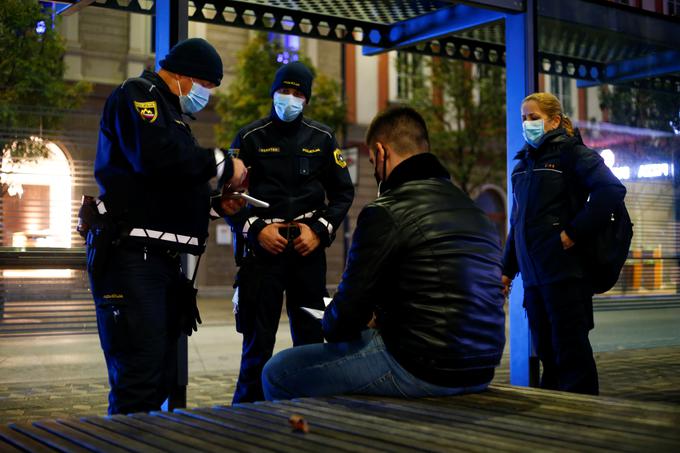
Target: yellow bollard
[[637, 269], [658, 268]]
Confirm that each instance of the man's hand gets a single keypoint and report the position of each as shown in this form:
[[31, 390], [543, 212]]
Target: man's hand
[[307, 242], [567, 243], [236, 183], [270, 239], [507, 285], [231, 205]]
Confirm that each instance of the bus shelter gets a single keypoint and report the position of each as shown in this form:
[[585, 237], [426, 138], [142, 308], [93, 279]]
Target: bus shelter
[[594, 42]]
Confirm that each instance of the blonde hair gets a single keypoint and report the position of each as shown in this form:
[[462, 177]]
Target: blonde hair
[[551, 106]]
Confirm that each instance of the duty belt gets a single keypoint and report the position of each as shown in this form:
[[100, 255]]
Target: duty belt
[[306, 215], [164, 236]]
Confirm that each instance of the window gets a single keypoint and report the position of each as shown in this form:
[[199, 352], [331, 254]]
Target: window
[[36, 200], [410, 74], [290, 47]]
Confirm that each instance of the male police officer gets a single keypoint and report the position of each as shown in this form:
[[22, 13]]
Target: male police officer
[[153, 179], [295, 164]]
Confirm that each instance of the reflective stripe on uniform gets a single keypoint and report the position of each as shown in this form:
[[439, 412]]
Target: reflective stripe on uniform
[[327, 224], [163, 236], [101, 208]]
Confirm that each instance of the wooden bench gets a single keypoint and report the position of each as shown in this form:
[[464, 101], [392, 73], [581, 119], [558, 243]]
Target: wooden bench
[[505, 418]]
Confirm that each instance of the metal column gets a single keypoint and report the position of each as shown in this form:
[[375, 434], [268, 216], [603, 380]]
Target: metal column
[[521, 80], [172, 24]]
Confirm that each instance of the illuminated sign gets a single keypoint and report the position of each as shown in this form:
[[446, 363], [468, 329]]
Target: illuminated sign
[[655, 170]]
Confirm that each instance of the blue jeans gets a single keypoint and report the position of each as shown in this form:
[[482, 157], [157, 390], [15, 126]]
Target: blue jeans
[[360, 367]]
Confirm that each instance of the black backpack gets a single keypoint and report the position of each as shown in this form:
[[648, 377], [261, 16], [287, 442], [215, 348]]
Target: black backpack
[[605, 254]]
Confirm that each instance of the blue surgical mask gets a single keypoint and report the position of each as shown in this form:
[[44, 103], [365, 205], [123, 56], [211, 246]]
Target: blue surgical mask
[[533, 132], [287, 106], [195, 100]]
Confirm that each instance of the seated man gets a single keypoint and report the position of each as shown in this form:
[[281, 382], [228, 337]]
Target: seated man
[[423, 273]]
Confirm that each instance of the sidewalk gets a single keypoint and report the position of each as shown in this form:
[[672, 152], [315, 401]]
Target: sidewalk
[[641, 374], [64, 375]]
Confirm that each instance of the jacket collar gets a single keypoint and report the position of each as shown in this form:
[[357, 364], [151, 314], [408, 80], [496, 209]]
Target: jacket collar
[[163, 88], [420, 166], [284, 127]]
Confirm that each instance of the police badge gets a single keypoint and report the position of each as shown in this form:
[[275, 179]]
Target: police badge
[[339, 159], [147, 110]]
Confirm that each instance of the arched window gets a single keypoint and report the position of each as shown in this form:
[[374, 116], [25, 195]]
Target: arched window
[[491, 199], [36, 199]]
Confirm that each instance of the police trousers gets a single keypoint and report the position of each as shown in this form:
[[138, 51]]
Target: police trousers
[[560, 318], [135, 315], [261, 282]]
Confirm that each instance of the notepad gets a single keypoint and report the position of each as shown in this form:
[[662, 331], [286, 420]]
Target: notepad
[[318, 314]]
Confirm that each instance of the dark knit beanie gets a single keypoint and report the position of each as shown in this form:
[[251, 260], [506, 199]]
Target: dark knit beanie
[[294, 75], [194, 57]]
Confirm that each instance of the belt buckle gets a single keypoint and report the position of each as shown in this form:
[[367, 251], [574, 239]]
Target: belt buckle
[[291, 231]]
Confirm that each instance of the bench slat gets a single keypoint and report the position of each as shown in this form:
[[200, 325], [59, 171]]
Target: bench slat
[[47, 438], [424, 427], [252, 429], [11, 440], [77, 437], [245, 438], [139, 435], [323, 434], [210, 440], [109, 436]]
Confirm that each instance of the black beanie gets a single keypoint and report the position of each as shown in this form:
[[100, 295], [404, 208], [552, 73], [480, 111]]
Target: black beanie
[[194, 57], [294, 75]]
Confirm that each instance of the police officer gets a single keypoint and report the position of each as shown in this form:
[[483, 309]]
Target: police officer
[[154, 187], [295, 165]]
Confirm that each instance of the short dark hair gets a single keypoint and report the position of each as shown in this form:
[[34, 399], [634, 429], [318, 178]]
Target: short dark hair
[[401, 127]]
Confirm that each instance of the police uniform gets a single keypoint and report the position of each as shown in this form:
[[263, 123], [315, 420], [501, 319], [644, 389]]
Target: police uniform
[[153, 180], [294, 166]]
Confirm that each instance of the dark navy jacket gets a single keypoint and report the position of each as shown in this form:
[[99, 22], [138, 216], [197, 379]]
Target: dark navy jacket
[[294, 167], [151, 172], [427, 261], [550, 186]]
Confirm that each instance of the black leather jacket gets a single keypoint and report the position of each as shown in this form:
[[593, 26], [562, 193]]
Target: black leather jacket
[[550, 186], [426, 260]]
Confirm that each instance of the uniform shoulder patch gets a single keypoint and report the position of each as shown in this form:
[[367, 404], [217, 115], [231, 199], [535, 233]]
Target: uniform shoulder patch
[[339, 159], [147, 110]]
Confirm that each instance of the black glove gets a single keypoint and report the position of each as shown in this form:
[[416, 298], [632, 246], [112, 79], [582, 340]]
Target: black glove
[[188, 316]]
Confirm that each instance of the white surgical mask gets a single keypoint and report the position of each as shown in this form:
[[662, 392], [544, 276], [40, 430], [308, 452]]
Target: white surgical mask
[[533, 132], [196, 99], [287, 106]]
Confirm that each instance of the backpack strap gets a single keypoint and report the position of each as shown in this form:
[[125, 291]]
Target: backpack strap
[[568, 158]]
